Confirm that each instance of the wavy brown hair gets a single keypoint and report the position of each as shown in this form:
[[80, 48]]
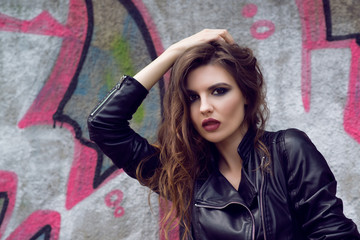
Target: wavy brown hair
[[183, 153]]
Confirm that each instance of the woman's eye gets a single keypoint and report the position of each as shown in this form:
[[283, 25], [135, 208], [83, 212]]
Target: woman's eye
[[193, 97], [220, 91]]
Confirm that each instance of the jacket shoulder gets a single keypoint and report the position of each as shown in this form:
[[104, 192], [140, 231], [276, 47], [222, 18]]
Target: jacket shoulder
[[296, 138], [296, 153], [291, 139], [289, 135]]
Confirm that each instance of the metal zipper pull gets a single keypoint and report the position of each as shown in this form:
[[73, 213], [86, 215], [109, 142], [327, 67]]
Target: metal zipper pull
[[112, 91]]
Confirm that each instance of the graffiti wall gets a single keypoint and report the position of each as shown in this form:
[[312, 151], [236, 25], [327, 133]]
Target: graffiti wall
[[59, 58]]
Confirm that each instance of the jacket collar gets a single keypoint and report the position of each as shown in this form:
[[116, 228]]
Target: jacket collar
[[246, 146], [216, 190]]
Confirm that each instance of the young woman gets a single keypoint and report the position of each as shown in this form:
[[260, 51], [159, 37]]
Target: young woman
[[227, 177]]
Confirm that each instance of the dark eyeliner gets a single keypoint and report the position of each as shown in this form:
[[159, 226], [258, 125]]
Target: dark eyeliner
[[220, 91], [192, 97]]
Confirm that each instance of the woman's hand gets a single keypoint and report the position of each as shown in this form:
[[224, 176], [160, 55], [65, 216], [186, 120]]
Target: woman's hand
[[157, 68], [204, 36]]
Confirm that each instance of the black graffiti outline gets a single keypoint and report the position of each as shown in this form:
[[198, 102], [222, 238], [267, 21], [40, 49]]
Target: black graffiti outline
[[3, 195], [44, 231], [328, 22], [59, 116]]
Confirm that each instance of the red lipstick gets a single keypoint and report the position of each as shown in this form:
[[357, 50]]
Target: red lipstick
[[210, 124]]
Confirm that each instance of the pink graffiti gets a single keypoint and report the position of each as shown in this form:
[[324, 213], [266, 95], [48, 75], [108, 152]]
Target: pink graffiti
[[35, 222], [42, 109], [82, 173], [352, 108], [43, 24], [119, 212], [249, 10], [262, 34], [113, 200], [8, 185], [261, 29], [314, 37], [73, 34], [45, 105]]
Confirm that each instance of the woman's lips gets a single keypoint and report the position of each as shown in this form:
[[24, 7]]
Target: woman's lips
[[210, 124]]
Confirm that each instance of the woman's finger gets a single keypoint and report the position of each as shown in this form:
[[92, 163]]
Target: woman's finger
[[227, 36], [215, 34]]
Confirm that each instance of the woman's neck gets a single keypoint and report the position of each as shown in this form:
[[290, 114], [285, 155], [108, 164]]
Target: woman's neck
[[230, 162], [228, 148]]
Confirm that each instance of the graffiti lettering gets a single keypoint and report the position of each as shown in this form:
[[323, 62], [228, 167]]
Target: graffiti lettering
[[261, 29], [8, 187], [94, 52], [90, 169], [113, 200], [313, 15], [42, 223]]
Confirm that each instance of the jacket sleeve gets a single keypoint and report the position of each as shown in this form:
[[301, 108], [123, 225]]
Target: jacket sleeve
[[109, 128], [312, 190]]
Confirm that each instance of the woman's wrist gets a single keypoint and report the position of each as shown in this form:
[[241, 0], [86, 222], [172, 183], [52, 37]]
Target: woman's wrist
[[151, 74]]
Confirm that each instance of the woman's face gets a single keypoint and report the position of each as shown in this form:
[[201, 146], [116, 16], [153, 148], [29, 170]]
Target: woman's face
[[216, 104]]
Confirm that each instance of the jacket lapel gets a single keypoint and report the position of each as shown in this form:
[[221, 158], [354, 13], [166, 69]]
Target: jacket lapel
[[218, 192]]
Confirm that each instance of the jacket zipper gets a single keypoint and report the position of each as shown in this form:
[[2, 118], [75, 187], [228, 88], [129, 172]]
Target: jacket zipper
[[112, 91], [222, 207], [261, 202]]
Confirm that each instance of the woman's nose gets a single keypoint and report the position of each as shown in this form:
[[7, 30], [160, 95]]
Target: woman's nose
[[205, 106]]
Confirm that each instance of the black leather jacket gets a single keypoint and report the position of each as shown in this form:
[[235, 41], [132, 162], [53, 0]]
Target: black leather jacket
[[294, 200]]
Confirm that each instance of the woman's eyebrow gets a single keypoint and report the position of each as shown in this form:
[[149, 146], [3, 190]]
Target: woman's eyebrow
[[212, 87], [221, 84]]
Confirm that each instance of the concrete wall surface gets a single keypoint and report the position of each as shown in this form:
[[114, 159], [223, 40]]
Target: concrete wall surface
[[58, 58]]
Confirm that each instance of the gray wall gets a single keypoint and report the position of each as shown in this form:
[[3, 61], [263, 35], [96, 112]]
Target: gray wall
[[58, 58]]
